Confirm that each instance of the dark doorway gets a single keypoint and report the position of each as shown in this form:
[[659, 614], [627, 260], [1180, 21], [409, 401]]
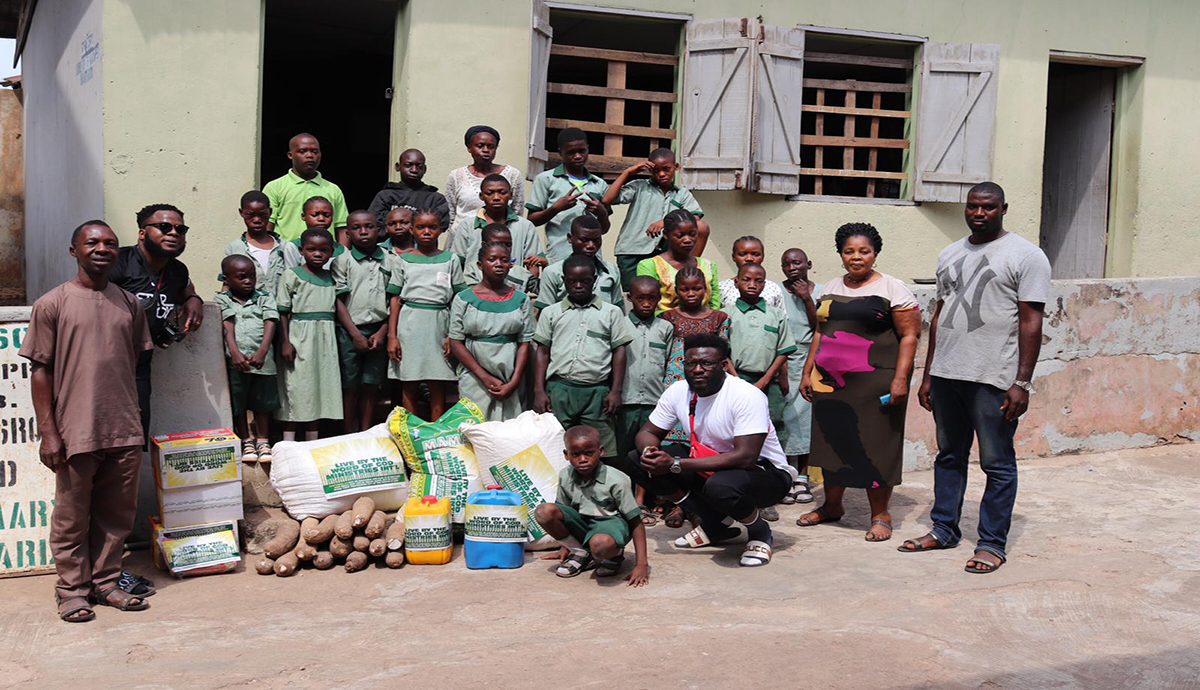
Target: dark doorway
[[1075, 172], [327, 70]]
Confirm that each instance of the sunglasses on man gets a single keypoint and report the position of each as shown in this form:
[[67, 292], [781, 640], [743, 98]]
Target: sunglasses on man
[[165, 227]]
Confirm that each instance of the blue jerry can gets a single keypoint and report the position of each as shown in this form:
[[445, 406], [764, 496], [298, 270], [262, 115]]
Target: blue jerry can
[[496, 527]]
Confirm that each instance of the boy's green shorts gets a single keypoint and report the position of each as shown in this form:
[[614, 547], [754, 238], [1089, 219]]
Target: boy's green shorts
[[574, 403], [584, 527], [362, 368], [255, 392]]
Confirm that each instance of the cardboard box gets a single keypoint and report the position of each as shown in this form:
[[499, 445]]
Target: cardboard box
[[195, 550], [199, 505], [196, 458]]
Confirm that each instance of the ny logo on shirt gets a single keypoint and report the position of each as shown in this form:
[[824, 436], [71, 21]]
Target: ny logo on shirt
[[162, 310], [959, 285]]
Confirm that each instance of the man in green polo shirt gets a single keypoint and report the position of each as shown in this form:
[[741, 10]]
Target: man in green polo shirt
[[560, 195], [579, 369], [301, 183]]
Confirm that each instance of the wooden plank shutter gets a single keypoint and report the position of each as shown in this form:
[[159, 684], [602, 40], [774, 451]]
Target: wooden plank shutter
[[716, 103], [539, 70], [956, 120], [778, 86]]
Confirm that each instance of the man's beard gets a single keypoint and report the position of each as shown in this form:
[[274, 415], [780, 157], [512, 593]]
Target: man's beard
[[158, 250]]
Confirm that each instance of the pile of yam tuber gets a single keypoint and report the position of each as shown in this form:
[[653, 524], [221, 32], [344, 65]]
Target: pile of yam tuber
[[352, 538]]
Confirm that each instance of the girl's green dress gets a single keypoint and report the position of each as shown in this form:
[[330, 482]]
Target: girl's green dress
[[491, 330], [310, 387], [426, 285]]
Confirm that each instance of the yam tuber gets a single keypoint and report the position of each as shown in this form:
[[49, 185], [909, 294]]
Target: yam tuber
[[305, 551], [284, 541], [394, 559], [376, 525], [363, 509], [340, 548], [322, 532], [356, 562], [265, 566], [344, 527], [395, 535], [378, 547], [361, 543], [287, 564], [323, 560]]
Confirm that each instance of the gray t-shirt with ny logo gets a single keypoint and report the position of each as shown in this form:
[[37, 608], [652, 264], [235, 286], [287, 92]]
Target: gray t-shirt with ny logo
[[979, 286]]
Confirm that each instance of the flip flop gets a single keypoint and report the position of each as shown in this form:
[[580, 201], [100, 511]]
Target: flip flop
[[649, 519], [823, 516], [697, 537], [756, 554], [883, 523], [937, 545], [128, 582], [673, 517], [991, 568], [67, 608]]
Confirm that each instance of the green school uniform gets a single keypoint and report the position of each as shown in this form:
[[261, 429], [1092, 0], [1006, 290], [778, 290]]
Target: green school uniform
[[491, 330], [426, 285], [311, 386], [550, 186], [363, 280], [551, 289], [466, 240], [648, 204], [645, 369], [256, 389], [797, 412], [288, 194], [758, 333], [581, 339], [283, 256], [602, 505]]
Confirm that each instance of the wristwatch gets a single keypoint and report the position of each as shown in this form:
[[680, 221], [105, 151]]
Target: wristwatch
[[1026, 386], [676, 466]]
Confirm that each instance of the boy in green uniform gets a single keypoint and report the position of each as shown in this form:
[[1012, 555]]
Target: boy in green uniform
[[586, 238], [317, 214], [560, 195], [580, 366], [650, 200], [272, 256], [289, 193], [645, 361], [496, 193], [761, 340], [249, 318], [594, 514], [361, 277]]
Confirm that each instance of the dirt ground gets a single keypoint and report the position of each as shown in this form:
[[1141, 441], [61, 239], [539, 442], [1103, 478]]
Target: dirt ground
[[1102, 591]]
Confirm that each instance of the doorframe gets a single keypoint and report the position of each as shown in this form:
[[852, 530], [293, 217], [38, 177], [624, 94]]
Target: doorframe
[[1124, 148]]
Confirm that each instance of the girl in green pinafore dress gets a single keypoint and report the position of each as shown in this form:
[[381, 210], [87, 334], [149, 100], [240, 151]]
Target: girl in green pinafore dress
[[491, 326], [309, 377], [419, 319]]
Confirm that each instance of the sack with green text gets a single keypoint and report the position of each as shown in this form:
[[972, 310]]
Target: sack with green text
[[440, 460]]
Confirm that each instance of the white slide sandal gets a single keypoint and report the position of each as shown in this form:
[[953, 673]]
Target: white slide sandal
[[756, 554]]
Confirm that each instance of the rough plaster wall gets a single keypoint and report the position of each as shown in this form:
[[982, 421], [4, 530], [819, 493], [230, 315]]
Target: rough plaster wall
[[181, 118], [443, 96], [63, 136], [12, 199], [1119, 368]]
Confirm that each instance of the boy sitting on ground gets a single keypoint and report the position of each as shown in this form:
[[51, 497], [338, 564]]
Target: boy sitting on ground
[[594, 514]]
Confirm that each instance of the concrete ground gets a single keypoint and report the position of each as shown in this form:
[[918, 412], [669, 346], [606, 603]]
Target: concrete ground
[[1102, 591]]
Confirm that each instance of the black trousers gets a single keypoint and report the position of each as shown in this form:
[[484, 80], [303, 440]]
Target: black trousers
[[732, 493]]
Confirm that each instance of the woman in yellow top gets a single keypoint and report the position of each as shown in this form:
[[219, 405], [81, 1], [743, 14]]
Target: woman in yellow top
[[679, 229]]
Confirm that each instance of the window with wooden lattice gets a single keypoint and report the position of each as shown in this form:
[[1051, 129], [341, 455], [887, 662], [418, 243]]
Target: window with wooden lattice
[[614, 77], [856, 121]]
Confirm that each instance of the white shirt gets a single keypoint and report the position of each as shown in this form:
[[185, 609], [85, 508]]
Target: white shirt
[[262, 256], [738, 409]]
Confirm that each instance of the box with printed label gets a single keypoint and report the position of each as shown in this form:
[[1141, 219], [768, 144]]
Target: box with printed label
[[199, 505], [195, 550], [195, 458]]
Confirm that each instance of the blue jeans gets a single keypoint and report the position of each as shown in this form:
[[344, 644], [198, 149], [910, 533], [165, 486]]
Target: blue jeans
[[963, 410]]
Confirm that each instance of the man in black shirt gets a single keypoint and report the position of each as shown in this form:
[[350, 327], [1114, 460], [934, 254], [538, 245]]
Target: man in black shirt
[[159, 280]]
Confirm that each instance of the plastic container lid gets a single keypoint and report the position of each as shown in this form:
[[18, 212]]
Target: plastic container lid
[[494, 487], [429, 500]]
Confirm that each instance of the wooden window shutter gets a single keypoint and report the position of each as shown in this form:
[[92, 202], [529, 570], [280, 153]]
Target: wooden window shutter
[[956, 120], [778, 86], [539, 70], [716, 103]]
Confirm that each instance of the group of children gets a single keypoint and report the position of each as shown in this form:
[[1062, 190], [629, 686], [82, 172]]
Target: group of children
[[315, 329]]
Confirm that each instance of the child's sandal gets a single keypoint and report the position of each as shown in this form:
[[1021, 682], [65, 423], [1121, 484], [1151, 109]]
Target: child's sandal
[[575, 564]]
